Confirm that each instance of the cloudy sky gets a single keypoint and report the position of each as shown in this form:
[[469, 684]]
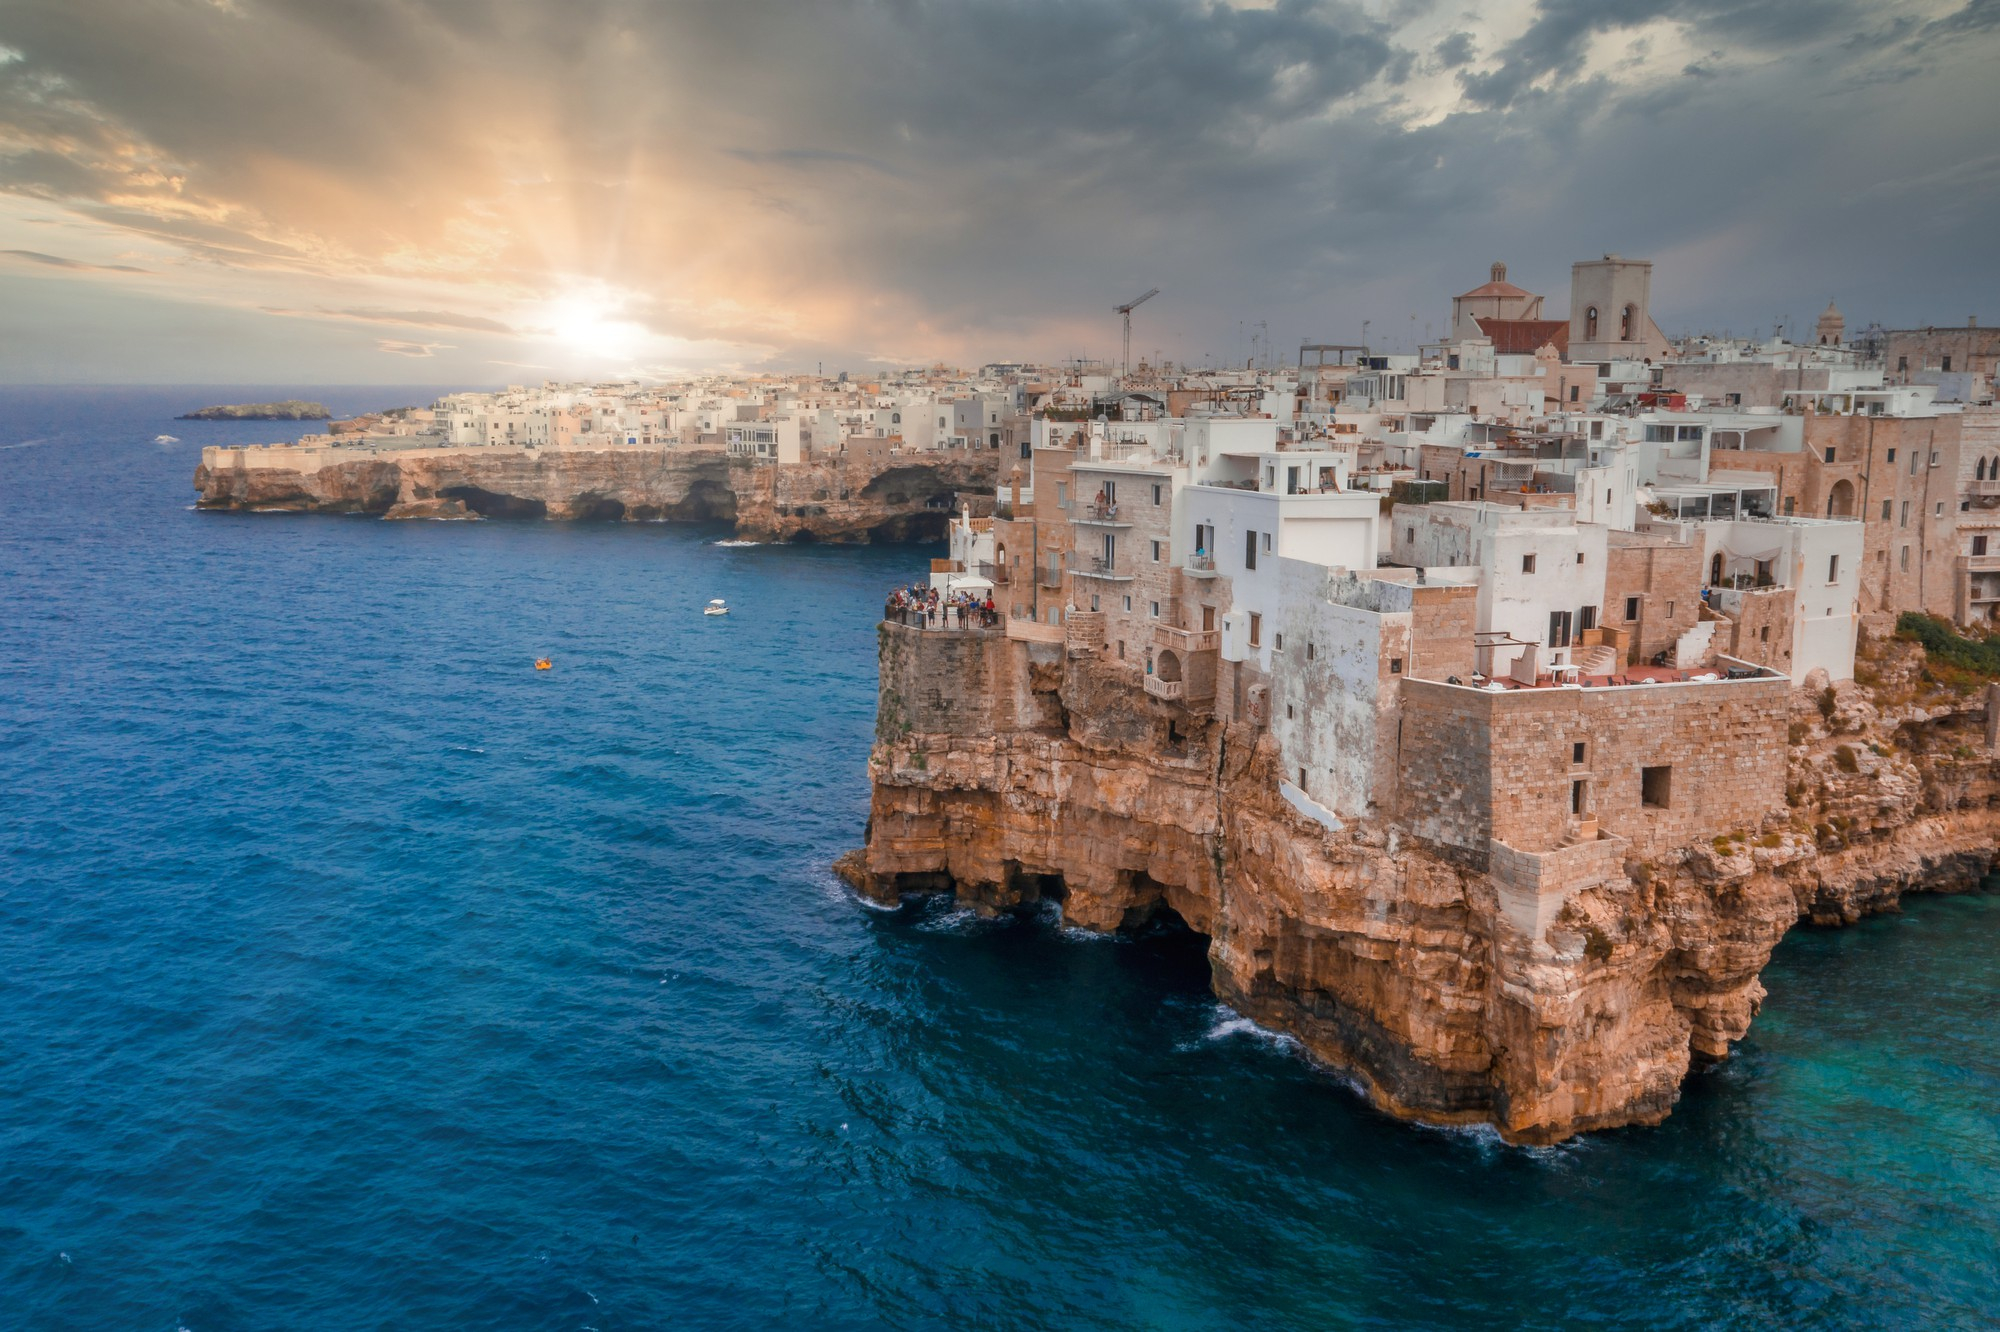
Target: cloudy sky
[[478, 191]]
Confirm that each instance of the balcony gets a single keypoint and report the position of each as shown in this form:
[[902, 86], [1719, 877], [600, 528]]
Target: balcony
[[1099, 567], [1185, 641], [1200, 566], [1174, 691], [1983, 489], [1099, 515]]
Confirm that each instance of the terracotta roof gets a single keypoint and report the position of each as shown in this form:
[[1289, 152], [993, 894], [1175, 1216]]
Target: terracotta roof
[[1525, 337], [1495, 289]]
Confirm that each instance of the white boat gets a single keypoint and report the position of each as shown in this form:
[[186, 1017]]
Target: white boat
[[715, 607]]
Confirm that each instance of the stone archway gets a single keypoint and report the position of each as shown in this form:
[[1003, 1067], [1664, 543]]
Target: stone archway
[[1840, 500], [1167, 666]]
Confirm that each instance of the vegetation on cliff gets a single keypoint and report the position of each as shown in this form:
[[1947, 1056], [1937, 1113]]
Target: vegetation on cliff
[[291, 409]]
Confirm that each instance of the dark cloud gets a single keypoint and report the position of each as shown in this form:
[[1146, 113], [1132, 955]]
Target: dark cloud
[[992, 175], [1457, 49]]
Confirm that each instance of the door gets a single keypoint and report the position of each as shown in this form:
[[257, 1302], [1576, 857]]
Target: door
[[1208, 619]]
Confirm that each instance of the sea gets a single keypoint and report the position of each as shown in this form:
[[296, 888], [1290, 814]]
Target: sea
[[355, 974]]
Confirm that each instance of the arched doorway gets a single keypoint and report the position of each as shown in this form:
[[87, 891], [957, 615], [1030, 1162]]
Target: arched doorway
[[1840, 500], [1715, 570], [1168, 667]]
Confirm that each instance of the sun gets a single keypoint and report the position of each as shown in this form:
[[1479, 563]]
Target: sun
[[592, 326]]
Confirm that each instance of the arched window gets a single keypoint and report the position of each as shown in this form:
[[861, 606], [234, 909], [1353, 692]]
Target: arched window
[[1979, 473], [895, 418], [1628, 323], [1590, 324]]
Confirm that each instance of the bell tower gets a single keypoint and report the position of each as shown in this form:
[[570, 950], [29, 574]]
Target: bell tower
[[1610, 314]]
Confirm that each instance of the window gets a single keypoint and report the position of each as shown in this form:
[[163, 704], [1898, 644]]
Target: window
[[1559, 622], [1631, 608], [1288, 712], [1156, 492], [1887, 509], [1572, 392], [1587, 618], [1915, 458], [1937, 510], [1904, 559], [1979, 545], [1121, 649], [1527, 564], [1309, 650], [1906, 515], [1410, 534], [1256, 627], [1607, 496], [1062, 494], [1576, 753], [1892, 455], [1128, 603], [1579, 557], [1829, 453], [1670, 610], [1267, 543], [1902, 364], [1764, 634], [1934, 457], [1250, 551], [1833, 568], [1395, 665], [1656, 787], [1788, 505], [1093, 601], [1946, 367], [1156, 610], [1278, 642], [1156, 552]]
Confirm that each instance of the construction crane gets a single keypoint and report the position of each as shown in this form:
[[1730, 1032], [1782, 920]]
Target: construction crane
[[1126, 310]]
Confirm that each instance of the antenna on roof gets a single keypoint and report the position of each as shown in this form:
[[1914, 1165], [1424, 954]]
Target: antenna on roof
[[1126, 310]]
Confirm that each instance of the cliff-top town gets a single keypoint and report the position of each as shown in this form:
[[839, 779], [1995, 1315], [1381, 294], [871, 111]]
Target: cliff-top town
[[1491, 707]]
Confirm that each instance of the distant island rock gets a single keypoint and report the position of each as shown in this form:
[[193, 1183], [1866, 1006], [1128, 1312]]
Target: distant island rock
[[289, 410]]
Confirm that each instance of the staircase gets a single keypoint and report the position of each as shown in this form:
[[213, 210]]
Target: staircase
[[1600, 660]]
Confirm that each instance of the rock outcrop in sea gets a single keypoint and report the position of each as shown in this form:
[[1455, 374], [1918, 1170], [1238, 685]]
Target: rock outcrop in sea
[[907, 497], [1011, 772], [292, 409]]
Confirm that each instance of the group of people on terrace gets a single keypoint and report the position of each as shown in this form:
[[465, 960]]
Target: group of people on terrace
[[927, 608]]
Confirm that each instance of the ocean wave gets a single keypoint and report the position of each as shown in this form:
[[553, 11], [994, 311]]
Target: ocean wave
[[1227, 1024], [25, 444], [166, 439], [733, 544]]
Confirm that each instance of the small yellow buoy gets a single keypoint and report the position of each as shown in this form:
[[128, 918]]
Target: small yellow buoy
[[543, 663]]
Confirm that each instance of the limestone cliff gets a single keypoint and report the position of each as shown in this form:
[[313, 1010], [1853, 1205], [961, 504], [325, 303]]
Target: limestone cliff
[[1008, 772], [909, 497]]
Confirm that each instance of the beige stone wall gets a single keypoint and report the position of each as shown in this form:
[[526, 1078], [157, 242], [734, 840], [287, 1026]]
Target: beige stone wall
[[1900, 508], [1665, 576], [1479, 766], [1762, 628]]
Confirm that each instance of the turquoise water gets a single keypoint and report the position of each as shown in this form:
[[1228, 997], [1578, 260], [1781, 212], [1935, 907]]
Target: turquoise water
[[355, 975]]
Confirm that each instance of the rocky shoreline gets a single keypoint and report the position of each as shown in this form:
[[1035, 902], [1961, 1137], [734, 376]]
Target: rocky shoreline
[[1009, 773], [908, 497], [292, 409]]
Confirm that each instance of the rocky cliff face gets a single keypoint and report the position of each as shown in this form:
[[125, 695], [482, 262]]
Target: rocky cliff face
[[1007, 773], [829, 500]]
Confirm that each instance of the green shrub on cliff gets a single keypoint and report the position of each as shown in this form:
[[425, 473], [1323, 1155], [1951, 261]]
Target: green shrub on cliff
[[1951, 658]]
